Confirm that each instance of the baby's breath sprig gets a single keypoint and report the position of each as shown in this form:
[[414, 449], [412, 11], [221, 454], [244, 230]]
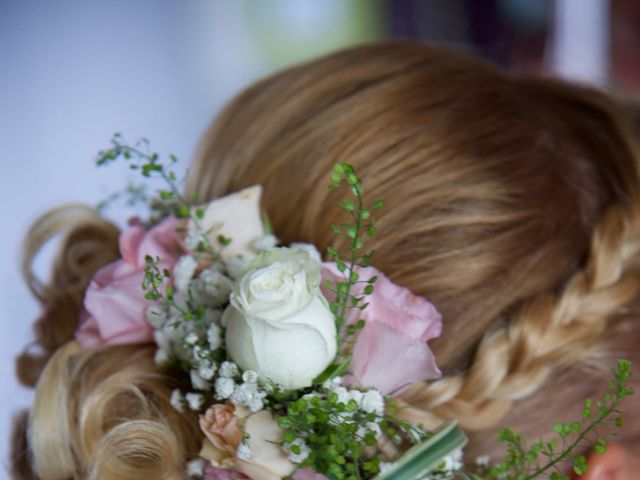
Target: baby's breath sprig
[[170, 201], [543, 458], [156, 291], [133, 195], [363, 225]]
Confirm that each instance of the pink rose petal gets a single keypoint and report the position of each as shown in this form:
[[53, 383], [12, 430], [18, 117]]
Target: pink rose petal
[[115, 307], [391, 352]]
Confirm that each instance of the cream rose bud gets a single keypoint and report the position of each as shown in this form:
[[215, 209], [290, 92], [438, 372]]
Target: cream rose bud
[[236, 216], [278, 322]]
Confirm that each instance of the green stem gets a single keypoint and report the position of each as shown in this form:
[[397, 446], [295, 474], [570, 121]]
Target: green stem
[[342, 306], [566, 453], [176, 193]]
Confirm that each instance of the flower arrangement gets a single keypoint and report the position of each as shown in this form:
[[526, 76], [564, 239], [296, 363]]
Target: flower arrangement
[[292, 362]]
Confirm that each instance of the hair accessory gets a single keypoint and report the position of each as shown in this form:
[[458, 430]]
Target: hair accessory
[[292, 363]]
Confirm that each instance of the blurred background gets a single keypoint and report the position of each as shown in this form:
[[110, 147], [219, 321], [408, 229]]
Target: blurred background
[[73, 72]]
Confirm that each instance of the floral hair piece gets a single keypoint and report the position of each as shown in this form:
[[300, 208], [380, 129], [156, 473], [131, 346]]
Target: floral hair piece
[[293, 362]]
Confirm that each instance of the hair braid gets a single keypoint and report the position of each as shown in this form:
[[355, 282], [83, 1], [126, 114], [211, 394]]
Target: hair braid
[[547, 331]]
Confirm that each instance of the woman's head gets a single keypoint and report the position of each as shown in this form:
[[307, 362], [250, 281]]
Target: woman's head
[[511, 205]]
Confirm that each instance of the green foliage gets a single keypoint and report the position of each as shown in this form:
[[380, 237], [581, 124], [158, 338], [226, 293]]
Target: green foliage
[[428, 456], [543, 458], [132, 195], [361, 226], [169, 200], [158, 289], [333, 432]]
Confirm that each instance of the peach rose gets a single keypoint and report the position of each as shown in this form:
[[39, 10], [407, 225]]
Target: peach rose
[[268, 461], [220, 425], [225, 426]]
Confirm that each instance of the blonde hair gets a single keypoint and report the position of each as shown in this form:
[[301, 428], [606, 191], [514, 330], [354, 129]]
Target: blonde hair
[[106, 414], [512, 204]]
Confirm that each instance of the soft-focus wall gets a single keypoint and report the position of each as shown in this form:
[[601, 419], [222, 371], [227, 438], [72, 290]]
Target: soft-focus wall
[[74, 72]]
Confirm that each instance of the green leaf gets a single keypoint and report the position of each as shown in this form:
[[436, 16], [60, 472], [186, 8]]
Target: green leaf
[[378, 204], [224, 241], [332, 371], [348, 205], [424, 457]]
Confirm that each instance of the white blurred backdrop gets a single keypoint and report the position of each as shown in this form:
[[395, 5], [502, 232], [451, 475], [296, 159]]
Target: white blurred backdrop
[[74, 72]]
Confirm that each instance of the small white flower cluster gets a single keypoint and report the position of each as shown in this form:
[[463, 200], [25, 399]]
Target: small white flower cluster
[[369, 402], [302, 448], [197, 342], [195, 468], [207, 290], [193, 400], [242, 390], [447, 468], [190, 341], [244, 451]]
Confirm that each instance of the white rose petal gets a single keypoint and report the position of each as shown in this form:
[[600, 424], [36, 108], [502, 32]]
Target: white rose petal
[[183, 272], [278, 323]]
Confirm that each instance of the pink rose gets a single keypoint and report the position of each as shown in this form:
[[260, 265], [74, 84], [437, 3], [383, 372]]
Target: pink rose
[[214, 473], [115, 307], [307, 474], [391, 351]]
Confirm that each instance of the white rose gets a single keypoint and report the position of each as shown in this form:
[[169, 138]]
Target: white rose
[[278, 323]]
